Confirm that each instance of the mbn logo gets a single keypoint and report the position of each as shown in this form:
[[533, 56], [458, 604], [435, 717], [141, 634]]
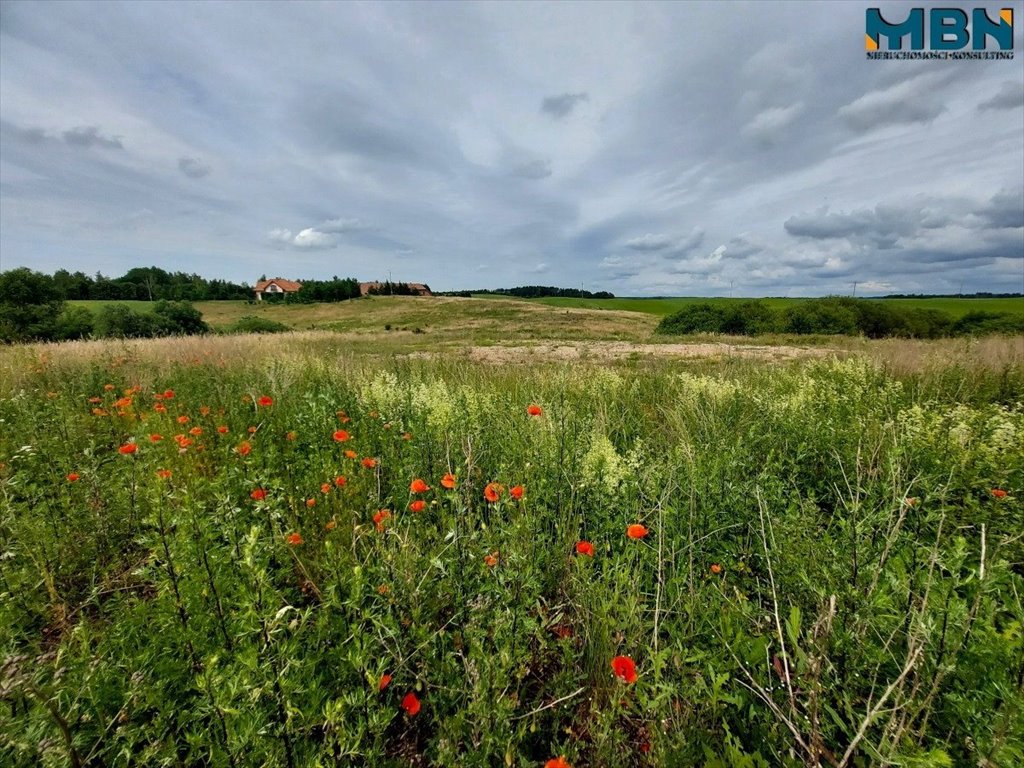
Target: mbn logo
[[947, 27]]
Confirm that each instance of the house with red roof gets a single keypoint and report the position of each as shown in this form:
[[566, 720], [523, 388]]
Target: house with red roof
[[275, 287]]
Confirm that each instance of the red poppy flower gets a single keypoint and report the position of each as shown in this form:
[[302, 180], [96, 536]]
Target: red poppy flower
[[123, 402], [418, 486], [557, 762], [448, 481], [168, 394], [369, 463], [182, 441], [204, 410], [418, 505], [341, 435], [383, 589], [351, 455], [128, 448], [492, 492], [325, 488], [99, 412], [385, 681], [636, 531], [196, 431], [244, 448], [999, 493], [534, 410], [183, 419], [716, 568], [584, 548], [340, 481], [155, 438], [160, 408], [265, 401], [252, 430], [163, 474], [108, 387], [73, 477], [624, 669], [258, 495], [411, 704], [491, 559], [331, 525], [516, 492], [294, 539], [222, 429], [95, 400], [379, 517]]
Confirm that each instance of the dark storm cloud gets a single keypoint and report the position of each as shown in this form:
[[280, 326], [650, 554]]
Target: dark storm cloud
[[562, 105]]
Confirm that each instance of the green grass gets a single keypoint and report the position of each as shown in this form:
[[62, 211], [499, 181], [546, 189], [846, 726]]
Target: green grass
[[956, 308], [826, 571], [94, 305]]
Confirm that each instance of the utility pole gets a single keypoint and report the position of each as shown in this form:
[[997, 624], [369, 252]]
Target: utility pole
[[855, 287]]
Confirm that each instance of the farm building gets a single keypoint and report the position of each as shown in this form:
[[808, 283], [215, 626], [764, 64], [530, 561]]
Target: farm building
[[276, 286], [418, 289]]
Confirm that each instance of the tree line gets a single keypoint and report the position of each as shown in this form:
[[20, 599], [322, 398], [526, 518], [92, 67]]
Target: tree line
[[534, 292], [835, 315]]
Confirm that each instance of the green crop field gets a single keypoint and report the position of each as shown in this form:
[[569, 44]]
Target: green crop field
[[665, 306], [328, 548]]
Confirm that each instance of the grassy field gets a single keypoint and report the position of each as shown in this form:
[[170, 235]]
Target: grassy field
[[956, 308], [368, 547]]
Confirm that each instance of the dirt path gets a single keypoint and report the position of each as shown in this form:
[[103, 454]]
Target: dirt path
[[618, 350]]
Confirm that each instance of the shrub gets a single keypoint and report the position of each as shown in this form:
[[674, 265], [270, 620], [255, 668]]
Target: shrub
[[176, 318], [827, 316], [696, 318], [120, 321], [750, 318], [73, 323], [981, 322]]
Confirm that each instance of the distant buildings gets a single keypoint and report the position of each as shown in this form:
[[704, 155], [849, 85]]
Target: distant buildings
[[276, 286], [417, 289]]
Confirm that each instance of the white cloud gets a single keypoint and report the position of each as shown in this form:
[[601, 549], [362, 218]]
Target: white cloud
[[313, 238]]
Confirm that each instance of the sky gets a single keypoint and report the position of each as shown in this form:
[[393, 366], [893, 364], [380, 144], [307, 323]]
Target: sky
[[692, 149]]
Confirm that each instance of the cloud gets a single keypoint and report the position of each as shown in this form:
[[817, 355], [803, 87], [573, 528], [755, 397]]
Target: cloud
[[313, 238], [916, 100], [562, 105], [89, 136], [537, 269], [1004, 210], [740, 247], [193, 167], [341, 225], [649, 242], [770, 125], [280, 236], [688, 244], [1009, 96], [533, 169]]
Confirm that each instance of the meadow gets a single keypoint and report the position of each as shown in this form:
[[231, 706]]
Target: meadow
[[368, 547]]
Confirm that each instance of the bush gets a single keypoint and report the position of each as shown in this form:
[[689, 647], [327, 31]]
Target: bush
[[179, 318], [826, 316], [750, 318], [981, 322], [696, 318], [254, 324], [73, 323], [119, 321], [29, 306]]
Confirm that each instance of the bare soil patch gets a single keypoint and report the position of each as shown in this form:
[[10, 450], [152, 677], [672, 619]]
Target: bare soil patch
[[620, 350]]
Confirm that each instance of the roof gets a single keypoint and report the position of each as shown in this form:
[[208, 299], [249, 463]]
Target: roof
[[288, 286]]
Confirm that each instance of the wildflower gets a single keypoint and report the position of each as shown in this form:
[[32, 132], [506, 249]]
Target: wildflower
[[999, 493], [374, 414], [123, 402], [168, 394], [128, 448], [383, 589], [385, 681], [411, 704], [183, 442], [73, 477], [244, 448], [108, 387], [291, 436], [351, 455], [557, 762], [183, 419], [95, 400], [294, 539], [204, 410], [222, 429], [534, 410], [340, 481], [407, 436], [258, 495], [369, 463], [325, 488], [154, 438], [196, 431], [379, 517], [418, 505], [624, 669], [252, 430], [492, 559], [492, 492], [163, 474], [418, 486], [341, 435], [636, 531], [158, 395], [160, 408], [265, 401], [716, 568], [99, 412], [331, 525], [448, 481], [310, 502], [584, 548], [516, 492]]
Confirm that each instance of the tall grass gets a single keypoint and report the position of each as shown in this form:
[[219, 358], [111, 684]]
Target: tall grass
[[827, 578]]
